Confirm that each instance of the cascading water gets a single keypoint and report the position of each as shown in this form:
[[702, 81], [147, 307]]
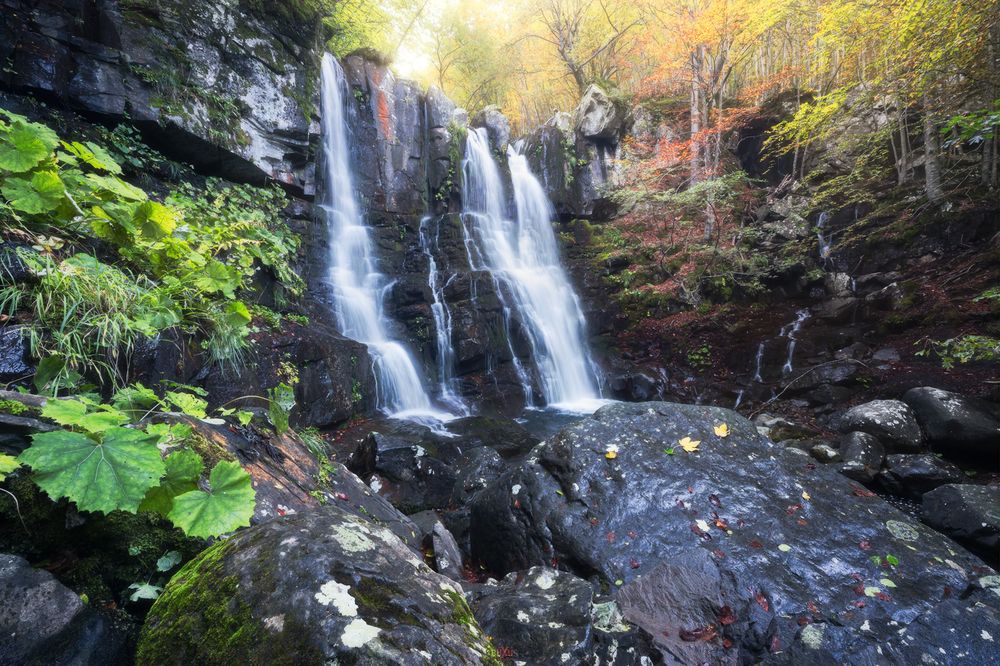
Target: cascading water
[[758, 362], [358, 287], [790, 331], [447, 382], [522, 255], [824, 242]]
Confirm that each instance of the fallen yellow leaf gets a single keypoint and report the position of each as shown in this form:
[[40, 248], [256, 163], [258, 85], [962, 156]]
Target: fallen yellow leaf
[[689, 444], [722, 430], [611, 455], [806, 495]]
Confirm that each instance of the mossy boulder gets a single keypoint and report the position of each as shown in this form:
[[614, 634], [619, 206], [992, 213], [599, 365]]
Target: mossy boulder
[[319, 587]]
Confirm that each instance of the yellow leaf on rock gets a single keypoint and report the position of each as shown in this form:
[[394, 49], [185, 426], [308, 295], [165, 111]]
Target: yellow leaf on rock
[[611, 455], [722, 430], [689, 444], [806, 496]]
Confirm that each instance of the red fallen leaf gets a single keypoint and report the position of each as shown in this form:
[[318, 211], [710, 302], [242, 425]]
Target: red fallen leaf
[[802, 522], [555, 562], [882, 596], [756, 544], [632, 534], [714, 499], [810, 466], [762, 602], [803, 621], [859, 589], [718, 553], [593, 521], [280, 511], [517, 504], [690, 489], [863, 492], [776, 644], [726, 643], [792, 509], [858, 577], [865, 544], [341, 496], [721, 524], [680, 504], [634, 563], [726, 616], [813, 608], [859, 604], [610, 536], [699, 634]]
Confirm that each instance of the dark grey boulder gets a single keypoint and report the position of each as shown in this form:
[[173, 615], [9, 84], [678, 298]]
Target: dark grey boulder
[[496, 125], [957, 425], [862, 454], [912, 475], [970, 514], [410, 478], [540, 616], [891, 421], [44, 623], [789, 538], [14, 354], [325, 586]]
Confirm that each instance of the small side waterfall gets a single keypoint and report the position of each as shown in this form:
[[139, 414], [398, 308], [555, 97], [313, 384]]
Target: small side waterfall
[[522, 255], [447, 383], [358, 288], [824, 241], [790, 331]]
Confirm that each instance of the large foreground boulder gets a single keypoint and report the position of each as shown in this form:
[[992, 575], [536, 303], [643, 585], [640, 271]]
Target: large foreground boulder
[[323, 587], [44, 622], [956, 425], [768, 550]]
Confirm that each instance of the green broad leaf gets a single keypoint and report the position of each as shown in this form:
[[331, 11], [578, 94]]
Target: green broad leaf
[[188, 404], [217, 277], [227, 507], [892, 559], [237, 314], [134, 398], [115, 473], [168, 561], [144, 591], [154, 220], [116, 186], [25, 145], [48, 370], [244, 417], [102, 421], [64, 412], [281, 401], [41, 194], [94, 155], [183, 469], [7, 465]]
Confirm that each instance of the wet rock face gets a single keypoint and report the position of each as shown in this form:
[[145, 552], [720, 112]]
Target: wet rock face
[[782, 542], [967, 513], [228, 90], [541, 616], [14, 354], [497, 127], [956, 425], [891, 421], [325, 586], [44, 622], [862, 455], [914, 474]]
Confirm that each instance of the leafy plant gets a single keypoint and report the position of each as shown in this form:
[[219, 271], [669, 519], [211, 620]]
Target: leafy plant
[[281, 402], [108, 457]]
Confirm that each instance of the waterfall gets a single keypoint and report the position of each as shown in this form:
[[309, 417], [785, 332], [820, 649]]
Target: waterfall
[[790, 331], [447, 382], [521, 253], [358, 288], [824, 242], [759, 360]]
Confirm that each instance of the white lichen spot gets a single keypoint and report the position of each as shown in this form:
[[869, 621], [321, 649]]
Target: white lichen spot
[[338, 594], [351, 539], [275, 623], [375, 483], [545, 580], [358, 633], [556, 625], [523, 617], [812, 636], [986, 636], [702, 525], [564, 657], [515, 489]]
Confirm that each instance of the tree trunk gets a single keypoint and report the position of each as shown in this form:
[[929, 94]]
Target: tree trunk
[[697, 60], [932, 149]]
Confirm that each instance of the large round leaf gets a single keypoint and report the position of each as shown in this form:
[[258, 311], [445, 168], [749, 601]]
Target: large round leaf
[[228, 506], [25, 145], [115, 473], [41, 194], [183, 469]]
